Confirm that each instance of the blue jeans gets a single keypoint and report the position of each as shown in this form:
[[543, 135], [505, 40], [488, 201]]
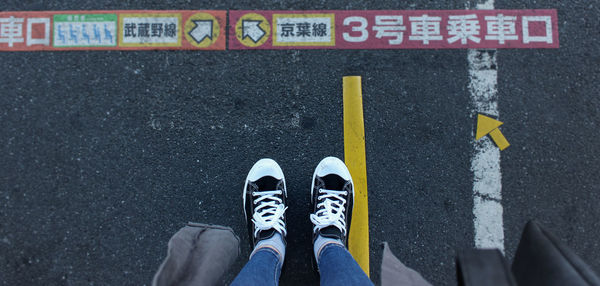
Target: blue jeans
[[336, 265]]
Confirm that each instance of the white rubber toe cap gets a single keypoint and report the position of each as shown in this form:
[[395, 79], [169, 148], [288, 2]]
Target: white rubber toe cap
[[265, 167], [333, 165]]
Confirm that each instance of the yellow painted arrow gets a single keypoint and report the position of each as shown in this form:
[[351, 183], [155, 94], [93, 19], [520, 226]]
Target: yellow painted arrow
[[487, 125]]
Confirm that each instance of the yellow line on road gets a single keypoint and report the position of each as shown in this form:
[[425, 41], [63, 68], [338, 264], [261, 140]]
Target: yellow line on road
[[355, 159]]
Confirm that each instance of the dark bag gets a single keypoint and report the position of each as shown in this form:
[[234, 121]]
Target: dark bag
[[198, 254]]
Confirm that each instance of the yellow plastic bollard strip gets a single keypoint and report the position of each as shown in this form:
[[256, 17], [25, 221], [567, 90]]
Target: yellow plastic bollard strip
[[355, 159]]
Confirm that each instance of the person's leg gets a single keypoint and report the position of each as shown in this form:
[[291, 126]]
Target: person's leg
[[332, 195], [338, 267], [264, 206], [263, 268]]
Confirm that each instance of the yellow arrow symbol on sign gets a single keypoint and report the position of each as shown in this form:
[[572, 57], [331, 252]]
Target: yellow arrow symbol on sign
[[487, 125]]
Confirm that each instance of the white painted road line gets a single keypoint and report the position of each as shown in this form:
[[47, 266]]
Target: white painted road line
[[485, 164]]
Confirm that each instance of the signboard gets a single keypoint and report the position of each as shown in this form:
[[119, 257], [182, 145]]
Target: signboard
[[393, 29], [150, 30], [324, 29], [86, 30], [113, 30]]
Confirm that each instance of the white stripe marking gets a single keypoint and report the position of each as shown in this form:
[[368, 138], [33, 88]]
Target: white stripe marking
[[485, 164]]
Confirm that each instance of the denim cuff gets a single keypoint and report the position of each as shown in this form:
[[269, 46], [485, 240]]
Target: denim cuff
[[325, 247], [272, 252]]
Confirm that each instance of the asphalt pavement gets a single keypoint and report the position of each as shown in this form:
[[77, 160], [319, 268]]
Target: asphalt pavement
[[105, 154]]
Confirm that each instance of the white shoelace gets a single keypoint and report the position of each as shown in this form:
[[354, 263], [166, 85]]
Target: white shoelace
[[269, 212], [332, 212]]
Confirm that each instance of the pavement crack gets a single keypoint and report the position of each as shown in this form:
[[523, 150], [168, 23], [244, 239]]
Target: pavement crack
[[488, 198]]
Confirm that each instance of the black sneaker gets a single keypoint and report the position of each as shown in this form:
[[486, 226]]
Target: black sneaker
[[332, 196], [264, 201]]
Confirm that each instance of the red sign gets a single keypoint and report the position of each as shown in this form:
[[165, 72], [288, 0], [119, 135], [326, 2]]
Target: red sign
[[325, 29], [113, 30], [387, 29]]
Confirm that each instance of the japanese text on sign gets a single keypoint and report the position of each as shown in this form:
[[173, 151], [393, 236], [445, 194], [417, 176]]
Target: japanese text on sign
[[413, 29], [304, 29], [329, 29], [12, 31], [111, 30], [150, 30]]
